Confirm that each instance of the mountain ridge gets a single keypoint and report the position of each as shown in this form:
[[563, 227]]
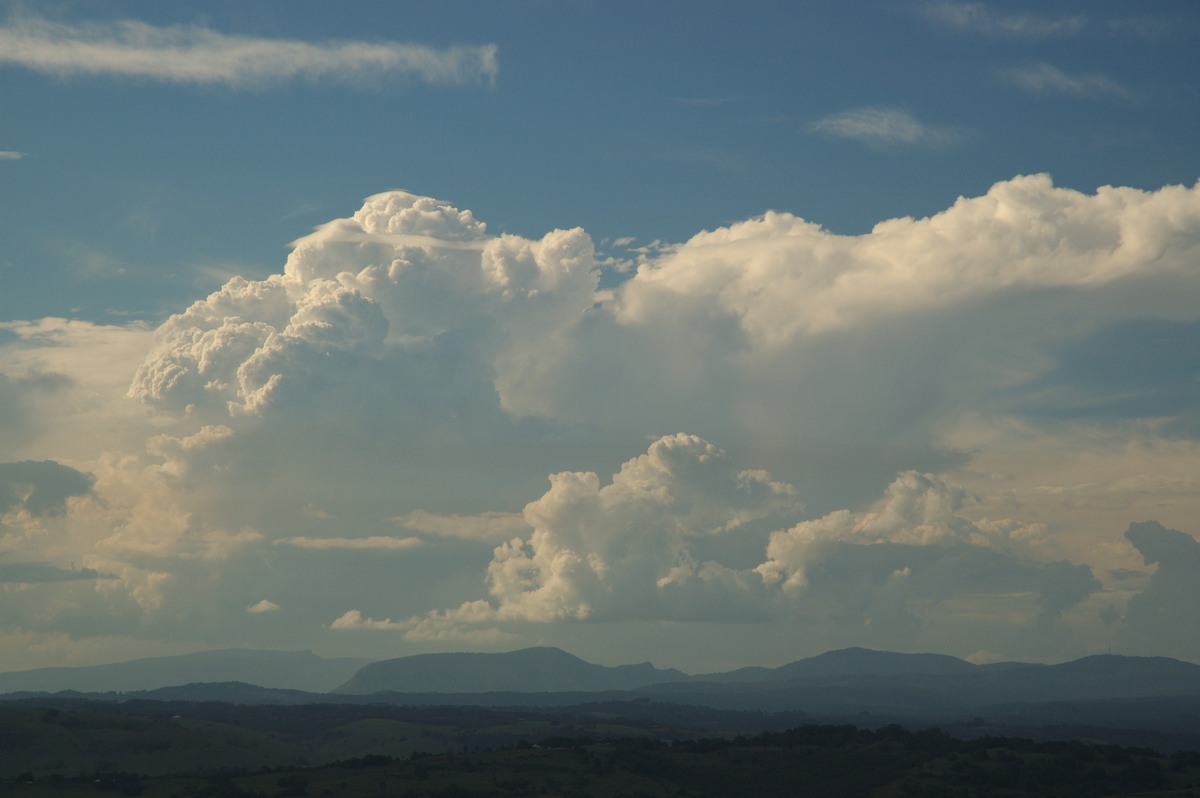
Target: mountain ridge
[[288, 670], [535, 669], [843, 680]]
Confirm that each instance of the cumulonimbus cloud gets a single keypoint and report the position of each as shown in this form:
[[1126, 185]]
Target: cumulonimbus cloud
[[391, 331], [197, 54], [409, 314]]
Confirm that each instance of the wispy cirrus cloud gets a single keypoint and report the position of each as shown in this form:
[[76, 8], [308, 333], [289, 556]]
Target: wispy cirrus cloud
[[978, 18], [375, 543], [1042, 78], [707, 102], [201, 55], [720, 158], [885, 126], [10, 155], [491, 527]]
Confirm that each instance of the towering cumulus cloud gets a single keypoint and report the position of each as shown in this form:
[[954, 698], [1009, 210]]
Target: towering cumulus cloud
[[910, 438], [408, 285], [632, 549], [768, 324], [626, 547]]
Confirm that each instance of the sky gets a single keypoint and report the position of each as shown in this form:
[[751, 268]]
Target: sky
[[703, 333]]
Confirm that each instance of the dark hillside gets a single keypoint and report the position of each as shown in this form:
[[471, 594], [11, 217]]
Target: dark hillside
[[225, 751]]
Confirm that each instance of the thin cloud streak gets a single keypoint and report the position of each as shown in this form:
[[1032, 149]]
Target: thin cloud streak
[[978, 18], [491, 527], [196, 54], [1042, 78], [707, 102], [9, 155], [377, 543], [884, 126]]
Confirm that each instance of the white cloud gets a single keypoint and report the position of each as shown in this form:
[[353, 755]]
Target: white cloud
[[388, 289], [406, 367], [908, 566], [625, 549], [1042, 78], [979, 18], [373, 543], [782, 278], [263, 606], [63, 401], [354, 619], [917, 509], [1082, 481], [10, 155], [434, 628], [885, 126], [781, 330], [197, 54]]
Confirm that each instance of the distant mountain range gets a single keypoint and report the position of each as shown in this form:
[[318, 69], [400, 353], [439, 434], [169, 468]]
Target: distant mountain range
[[884, 682], [288, 670], [852, 681], [530, 670]]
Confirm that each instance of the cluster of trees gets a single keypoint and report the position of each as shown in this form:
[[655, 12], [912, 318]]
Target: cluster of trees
[[584, 758]]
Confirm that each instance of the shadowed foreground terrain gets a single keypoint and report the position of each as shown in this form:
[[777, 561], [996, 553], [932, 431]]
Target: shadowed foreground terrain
[[212, 750]]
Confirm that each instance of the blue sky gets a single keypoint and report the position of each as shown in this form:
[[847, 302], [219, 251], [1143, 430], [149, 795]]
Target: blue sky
[[648, 120], [840, 306]]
